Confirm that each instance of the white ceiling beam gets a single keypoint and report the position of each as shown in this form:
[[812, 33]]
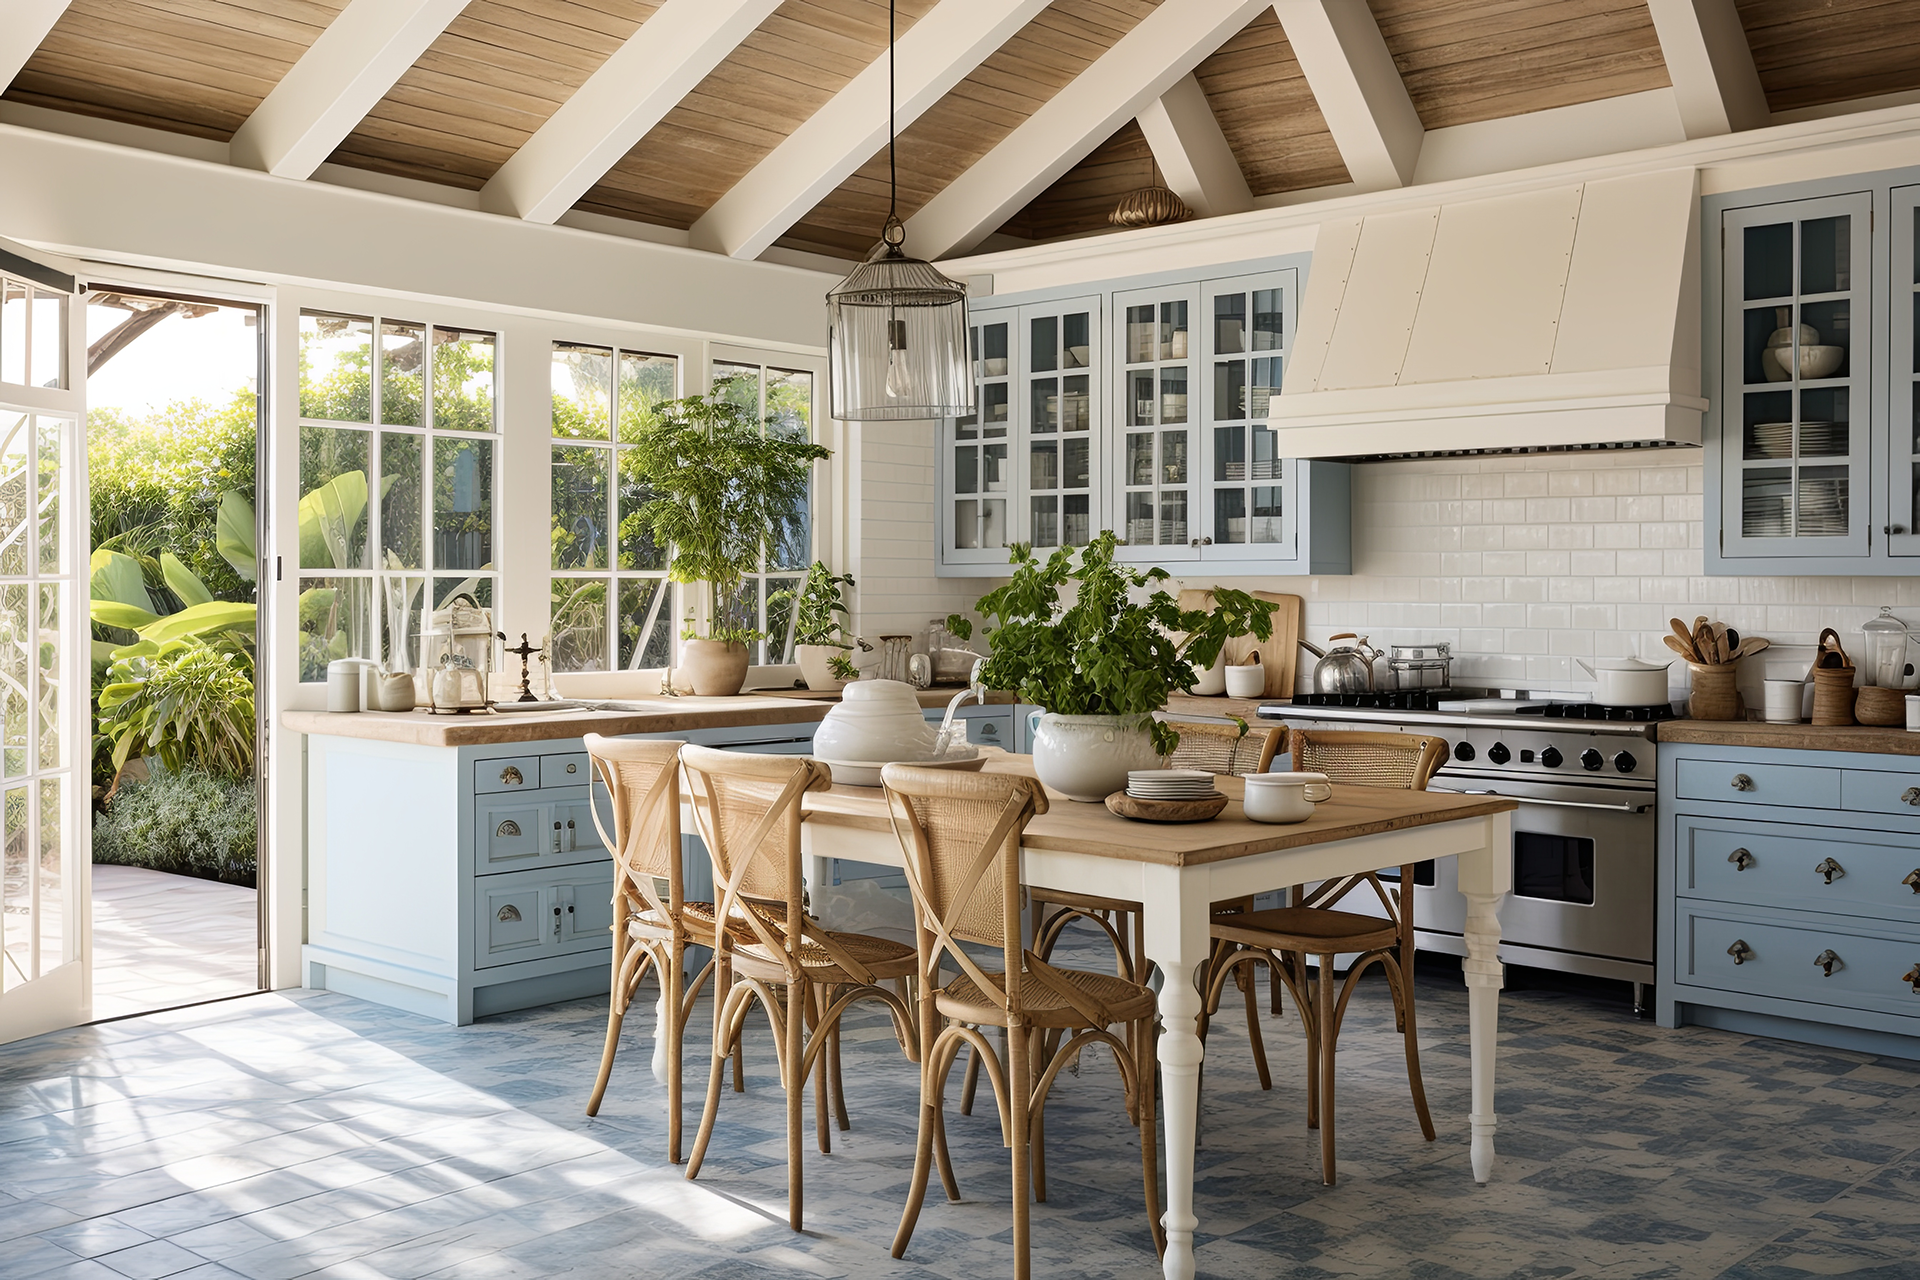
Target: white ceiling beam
[[23, 25], [1711, 66], [671, 53], [1149, 60], [1195, 160], [936, 53], [337, 81], [1357, 87]]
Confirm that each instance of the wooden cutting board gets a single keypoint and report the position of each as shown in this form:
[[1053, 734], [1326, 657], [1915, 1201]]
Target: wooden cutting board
[[1280, 655]]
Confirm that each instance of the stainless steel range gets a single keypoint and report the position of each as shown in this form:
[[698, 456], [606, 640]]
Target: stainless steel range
[[1583, 837]]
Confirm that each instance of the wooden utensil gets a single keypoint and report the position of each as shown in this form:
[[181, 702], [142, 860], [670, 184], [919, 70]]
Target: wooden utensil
[[1686, 639], [1684, 650]]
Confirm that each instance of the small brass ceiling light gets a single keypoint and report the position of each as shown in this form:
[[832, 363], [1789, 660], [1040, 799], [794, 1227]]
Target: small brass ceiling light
[[1149, 206], [897, 327]]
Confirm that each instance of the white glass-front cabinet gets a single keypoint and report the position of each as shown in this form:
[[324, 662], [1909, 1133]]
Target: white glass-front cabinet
[[1903, 370], [1172, 449]]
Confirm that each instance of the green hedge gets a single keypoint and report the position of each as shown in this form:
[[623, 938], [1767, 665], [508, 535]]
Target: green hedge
[[190, 823]]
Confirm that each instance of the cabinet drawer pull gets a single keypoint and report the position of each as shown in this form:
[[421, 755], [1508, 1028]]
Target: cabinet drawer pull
[[1912, 978], [1741, 782], [1826, 961], [1740, 951], [1913, 880], [1829, 868], [507, 914], [1740, 859], [507, 828], [511, 776], [1911, 796]]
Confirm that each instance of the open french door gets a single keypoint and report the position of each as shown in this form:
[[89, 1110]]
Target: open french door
[[45, 824]]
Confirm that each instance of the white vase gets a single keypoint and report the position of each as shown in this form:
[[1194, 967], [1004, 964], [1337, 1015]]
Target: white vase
[[1088, 757], [814, 669], [715, 668]]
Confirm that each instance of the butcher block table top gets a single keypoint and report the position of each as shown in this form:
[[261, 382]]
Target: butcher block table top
[[1892, 741]]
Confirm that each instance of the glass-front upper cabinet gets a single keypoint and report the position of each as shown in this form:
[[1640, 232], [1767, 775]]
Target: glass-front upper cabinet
[[1249, 514], [1796, 408], [1157, 422], [973, 510], [1059, 382], [1902, 529]]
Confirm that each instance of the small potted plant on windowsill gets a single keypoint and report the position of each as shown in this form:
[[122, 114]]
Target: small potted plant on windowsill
[[1102, 665], [821, 643], [721, 494]]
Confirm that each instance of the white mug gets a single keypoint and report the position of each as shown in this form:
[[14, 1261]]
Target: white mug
[[1284, 797], [1783, 701], [1247, 681], [1913, 713]]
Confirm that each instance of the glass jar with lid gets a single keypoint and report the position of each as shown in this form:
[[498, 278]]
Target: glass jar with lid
[[1885, 651]]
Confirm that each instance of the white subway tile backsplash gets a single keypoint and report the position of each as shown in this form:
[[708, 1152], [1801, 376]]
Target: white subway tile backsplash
[[1548, 510], [1663, 479], [1570, 536], [1570, 484], [1639, 507], [1526, 484]]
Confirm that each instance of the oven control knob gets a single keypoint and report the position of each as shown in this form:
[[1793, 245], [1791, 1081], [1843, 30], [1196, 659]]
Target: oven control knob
[[1498, 753], [1463, 751], [1591, 759], [1625, 762], [1551, 757]]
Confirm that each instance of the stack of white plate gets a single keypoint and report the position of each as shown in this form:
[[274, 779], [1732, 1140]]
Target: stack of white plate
[[1770, 440], [1823, 506], [1170, 784], [1767, 507], [1823, 439]]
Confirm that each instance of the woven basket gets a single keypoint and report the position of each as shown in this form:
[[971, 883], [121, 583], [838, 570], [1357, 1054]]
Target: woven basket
[[1833, 691], [1714, 696], [1881, 706]]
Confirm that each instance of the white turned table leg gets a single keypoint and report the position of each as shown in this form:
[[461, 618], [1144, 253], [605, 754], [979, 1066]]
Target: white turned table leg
[[1175, 922], [1485, 975], [660, 1035]]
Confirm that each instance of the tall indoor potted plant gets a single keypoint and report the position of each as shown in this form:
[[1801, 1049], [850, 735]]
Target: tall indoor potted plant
[[720, 492], [1102, 665], [821, 642]]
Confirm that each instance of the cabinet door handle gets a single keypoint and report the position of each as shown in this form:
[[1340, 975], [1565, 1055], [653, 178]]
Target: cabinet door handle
[[1893, 528], [1826, 961], [573, 768], [1913, 880], [571, 846], [1912, 978], [1910, 796], [507, 828], [1829, 868], [1741, 782], [511, 776], [1740, 951], [1740, 859], [507, 914]]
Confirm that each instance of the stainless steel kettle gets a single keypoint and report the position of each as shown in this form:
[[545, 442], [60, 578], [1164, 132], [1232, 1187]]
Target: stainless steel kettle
[[1346, 668]]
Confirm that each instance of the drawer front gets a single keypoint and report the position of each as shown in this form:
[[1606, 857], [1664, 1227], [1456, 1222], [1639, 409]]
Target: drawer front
[[526, 917], [570, 770], [586, 912], [1803, 868], [1771, 784], [509, 773], [1779, 960], [1876, 791], [511, 833], [513, 924]]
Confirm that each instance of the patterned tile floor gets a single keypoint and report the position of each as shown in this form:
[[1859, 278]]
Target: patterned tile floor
[[307, 1134]]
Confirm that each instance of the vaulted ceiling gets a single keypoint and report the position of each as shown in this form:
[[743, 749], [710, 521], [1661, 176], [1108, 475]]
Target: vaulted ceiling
[[746, 124]]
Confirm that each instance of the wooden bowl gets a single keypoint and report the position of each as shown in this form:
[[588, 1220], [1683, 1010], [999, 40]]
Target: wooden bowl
[[1166, 810]]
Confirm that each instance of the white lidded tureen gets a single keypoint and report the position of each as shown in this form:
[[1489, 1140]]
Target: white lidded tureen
[[878, 722]]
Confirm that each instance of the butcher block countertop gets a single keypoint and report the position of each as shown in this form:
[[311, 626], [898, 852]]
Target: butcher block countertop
[[1792, 737], [648, 715]]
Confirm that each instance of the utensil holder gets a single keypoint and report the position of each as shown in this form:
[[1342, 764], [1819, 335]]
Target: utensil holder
[[1833, 695], [1714, 696], [1879, 706]]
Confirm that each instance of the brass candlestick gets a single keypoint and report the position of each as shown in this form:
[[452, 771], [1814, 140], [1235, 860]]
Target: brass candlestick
[[525, 651]]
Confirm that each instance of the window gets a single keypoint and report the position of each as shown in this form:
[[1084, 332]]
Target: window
[[399, 429], [783, 400], [611, 604], [33, 335]]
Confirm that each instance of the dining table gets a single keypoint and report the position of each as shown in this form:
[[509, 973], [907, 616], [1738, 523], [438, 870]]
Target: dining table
[[1177, 871]]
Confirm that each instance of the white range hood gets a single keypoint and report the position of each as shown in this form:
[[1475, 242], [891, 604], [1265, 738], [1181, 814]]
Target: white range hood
[[1556, 318]]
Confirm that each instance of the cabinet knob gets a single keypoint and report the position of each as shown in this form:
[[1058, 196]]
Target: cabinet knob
[[1195, 542], [573, 768], [1740, 951], [1741, 782], [1913, 880], [511, 776], [1911, 796], [1912, 978], [1893, 529], [1828, 868], [1826, 962], [1206, 542], [1740, 859]]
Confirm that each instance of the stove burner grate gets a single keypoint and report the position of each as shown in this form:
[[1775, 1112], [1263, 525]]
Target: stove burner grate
[[1599, 711], [1384, 699]]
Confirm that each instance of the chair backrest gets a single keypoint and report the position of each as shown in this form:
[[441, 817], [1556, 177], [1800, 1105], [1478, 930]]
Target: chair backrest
[[643, 779], [746, 808], [960, 834], [1225, 748], [1362, 759]]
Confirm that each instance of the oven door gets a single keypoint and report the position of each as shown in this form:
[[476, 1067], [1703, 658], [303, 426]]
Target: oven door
[[1583, 870]]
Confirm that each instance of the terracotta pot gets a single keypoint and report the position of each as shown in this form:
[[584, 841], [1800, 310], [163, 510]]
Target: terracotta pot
[[715, 668], [813, 660]]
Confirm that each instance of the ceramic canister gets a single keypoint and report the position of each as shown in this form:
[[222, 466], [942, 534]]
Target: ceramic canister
[[1284, 797]]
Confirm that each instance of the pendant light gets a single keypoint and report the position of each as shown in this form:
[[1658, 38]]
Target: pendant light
[[897, 340], [1150, 206]]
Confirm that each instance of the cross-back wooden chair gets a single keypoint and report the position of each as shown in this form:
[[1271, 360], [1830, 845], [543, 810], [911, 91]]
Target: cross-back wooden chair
[[747, 810], [961, 833], [1313, 925]]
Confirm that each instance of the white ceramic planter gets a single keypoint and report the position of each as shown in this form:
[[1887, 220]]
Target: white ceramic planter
[[715, 668], [813, 660], [1087, 757]]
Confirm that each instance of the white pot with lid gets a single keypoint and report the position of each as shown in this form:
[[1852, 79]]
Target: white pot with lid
[[1627, 682]]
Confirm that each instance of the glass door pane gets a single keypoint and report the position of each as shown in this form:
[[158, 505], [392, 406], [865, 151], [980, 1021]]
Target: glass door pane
[[1059, 427], [978, 447], [1157, 416], [1248, 507]]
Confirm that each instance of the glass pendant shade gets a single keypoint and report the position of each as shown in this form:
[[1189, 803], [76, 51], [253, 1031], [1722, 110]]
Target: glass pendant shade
[[898, 342]]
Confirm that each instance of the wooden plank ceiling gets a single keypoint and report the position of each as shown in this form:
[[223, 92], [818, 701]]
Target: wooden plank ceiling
[[187, 66], [502, 67], [1810, 54]]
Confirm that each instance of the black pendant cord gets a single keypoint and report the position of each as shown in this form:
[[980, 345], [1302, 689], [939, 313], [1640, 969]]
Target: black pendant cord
[[893, 232]]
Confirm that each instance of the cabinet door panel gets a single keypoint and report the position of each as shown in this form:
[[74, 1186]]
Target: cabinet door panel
[[1157, 367], [1902, 528], [511, 833], [513, 925], [1250, 502]]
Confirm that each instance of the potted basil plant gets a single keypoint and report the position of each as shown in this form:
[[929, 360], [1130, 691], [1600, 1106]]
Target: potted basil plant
[[821, 644], [1104, 663], [722, 493]]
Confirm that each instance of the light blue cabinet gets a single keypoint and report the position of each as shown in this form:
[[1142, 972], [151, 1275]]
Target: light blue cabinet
[[1789, 896]]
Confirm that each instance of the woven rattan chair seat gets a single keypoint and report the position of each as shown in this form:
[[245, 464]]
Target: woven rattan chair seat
[[964, 1001], [884, 957], [697, 918], [1315, 930]]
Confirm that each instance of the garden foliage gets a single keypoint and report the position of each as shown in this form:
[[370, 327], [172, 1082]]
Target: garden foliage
[[187, 822]]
